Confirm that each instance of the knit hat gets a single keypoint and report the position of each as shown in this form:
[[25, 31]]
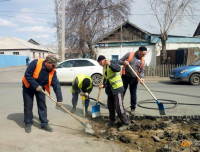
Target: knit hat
[[85, 84], [101, 57]]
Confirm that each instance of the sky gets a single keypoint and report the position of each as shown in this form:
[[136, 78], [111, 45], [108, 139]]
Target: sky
[[27, 19], [150, 24], [17, 21]]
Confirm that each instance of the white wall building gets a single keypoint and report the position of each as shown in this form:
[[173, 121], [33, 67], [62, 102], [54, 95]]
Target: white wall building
[[15, 46]]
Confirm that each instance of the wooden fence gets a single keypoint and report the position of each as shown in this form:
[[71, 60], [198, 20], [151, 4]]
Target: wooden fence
[[162, 70]]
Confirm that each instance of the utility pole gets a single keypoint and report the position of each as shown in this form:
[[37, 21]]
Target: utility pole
[[121, 41], [58, 31], [63, 30]]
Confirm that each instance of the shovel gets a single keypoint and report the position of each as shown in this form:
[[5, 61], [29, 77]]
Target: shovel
[[160, 105], [87, 128], [96, 109]]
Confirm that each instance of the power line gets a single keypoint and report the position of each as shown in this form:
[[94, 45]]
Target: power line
[[25, 12], [158, 14], [25, 18], [4, 0]]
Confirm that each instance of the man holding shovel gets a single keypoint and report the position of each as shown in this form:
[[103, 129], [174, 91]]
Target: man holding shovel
[[81, 84], [39, 75], [136, 61], [114, 89]]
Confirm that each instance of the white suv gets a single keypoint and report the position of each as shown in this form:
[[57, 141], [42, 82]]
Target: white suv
[[69, 69]]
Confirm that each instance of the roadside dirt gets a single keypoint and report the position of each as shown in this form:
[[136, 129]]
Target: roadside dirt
[[151, 134]]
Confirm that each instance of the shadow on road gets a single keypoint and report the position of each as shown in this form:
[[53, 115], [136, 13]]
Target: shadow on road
[[174, 83], [65, 84], [65, 127], [79, 111], [18, 118]]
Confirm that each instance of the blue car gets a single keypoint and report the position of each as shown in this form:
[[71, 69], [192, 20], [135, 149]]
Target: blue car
[[189, 73]]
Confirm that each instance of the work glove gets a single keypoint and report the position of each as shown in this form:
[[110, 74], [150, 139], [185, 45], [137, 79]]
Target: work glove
[[86, 94], [59, 103], [82, 93], [39, 88]]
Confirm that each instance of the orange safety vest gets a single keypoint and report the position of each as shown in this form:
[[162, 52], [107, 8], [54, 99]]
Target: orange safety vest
[[129, 59], [36, 75]]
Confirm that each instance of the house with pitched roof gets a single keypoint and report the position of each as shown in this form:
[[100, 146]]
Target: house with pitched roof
[[15, 46], [52, 51], [128, 37]]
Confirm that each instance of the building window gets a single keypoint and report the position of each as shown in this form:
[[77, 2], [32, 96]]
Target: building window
[[1, 52], [39, 55], [43, 55], [33, 55], [115, 57], [15, 53]]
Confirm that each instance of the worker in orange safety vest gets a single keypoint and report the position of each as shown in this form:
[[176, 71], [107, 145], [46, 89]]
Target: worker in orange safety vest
[[39, 75], [136, 61]]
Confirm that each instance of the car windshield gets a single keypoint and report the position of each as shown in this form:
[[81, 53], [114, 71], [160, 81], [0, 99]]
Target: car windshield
[[195, 63]]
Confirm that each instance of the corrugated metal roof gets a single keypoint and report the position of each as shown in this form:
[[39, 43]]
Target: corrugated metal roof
[[11, 43]]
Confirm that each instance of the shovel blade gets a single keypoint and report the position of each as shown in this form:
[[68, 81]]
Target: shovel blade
[[161, 108], [96, 111]]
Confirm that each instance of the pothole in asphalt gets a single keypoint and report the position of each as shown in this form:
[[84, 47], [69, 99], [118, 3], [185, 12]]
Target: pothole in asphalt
[[151, 134]]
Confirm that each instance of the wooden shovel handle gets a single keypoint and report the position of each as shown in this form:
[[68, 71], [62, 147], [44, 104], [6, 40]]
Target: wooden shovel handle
[[143, 83], [104, 70], [61, 106]]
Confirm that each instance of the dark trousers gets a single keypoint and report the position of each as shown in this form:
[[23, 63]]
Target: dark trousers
[[28, 95], [75, 100], [132, 82], [115, 103]]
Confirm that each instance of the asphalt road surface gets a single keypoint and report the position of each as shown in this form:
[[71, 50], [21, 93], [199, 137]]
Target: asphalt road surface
[[69, 134]]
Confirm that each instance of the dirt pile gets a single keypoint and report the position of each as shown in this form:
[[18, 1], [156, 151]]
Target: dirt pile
[[150, 134]]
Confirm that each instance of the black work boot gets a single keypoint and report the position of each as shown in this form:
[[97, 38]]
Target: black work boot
[[112, 123], [28, 128], [47, 128], [73, 109]]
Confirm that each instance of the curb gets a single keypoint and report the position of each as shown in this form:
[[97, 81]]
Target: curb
[[156, 78]]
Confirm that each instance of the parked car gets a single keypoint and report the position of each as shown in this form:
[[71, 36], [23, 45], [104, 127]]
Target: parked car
[[69, 69], [189, 73]]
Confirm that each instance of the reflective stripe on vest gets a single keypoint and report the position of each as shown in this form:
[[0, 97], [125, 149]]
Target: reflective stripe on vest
[[129, 59], [36, 75], [81, 77], [114, 78]]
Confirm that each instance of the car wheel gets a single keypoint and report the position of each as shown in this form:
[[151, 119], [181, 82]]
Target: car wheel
[[96, 79], [195, 79]]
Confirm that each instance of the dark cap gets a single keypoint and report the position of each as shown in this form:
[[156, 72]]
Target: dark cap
[[85, 84], [142, 48], [101, 57], [52, 59]]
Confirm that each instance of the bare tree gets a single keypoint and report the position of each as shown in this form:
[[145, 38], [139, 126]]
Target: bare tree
[[86, 20], [169, 13]]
